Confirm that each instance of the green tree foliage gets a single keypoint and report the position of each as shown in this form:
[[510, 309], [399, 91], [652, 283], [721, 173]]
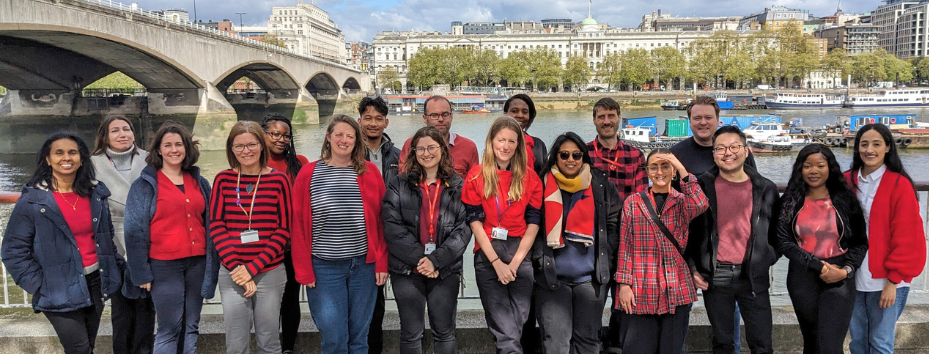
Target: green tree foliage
[[667, 64], [576, 72], [115, 81], [611, 69], [869, 67], [485, 69], [837, 63], [425, 67], [922, 68], [897, 69], [515, 68], [388, 78], [273, 40], [799, 54], [545, 69], [705, 61], [636, 67], [2, 91]]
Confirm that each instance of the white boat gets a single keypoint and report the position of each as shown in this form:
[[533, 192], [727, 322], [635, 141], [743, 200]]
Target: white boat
[[639, 137], [804, 100], [762, 131], [916, 97], [780, 143]]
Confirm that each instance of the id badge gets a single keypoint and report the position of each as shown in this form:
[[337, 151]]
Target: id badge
[[498, 233], [249, 236], [430, 247]]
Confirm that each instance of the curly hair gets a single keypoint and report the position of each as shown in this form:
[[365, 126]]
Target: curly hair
[[414, 170], [797, 188]]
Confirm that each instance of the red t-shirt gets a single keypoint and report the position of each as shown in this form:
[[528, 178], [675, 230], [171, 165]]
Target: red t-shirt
[[278, 162], [817, 230], [80, 222], [511, 215], [734, 224], [463, 151]]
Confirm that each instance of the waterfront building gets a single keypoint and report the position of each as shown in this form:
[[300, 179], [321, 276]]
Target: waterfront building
[[889, 17], [358, 55], [910, 39], [174, 15], [774, 17], [656, 21], [253, 32], [855, 37], [307, 29]]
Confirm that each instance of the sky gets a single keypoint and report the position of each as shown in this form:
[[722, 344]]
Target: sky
[[361, 20]]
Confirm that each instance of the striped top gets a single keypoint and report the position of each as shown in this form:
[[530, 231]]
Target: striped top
[[271, 219], [338, 213]]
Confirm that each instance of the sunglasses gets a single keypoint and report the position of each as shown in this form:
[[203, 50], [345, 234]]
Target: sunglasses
[[564, 155]]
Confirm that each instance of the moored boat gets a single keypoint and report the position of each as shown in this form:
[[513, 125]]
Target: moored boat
[[804, 101], [915, 97]]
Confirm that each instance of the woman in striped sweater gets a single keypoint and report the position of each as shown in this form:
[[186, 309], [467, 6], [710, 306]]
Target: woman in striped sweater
[[250, 228]]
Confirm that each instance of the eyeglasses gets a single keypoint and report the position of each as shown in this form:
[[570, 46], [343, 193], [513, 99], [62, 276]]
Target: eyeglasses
[[721, 150], [432, 149], [653, 168], [564, 155], [249, 146], [436, 116], [279, 136]]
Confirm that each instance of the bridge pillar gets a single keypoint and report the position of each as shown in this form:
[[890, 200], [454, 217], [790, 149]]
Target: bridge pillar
[[296, 104]]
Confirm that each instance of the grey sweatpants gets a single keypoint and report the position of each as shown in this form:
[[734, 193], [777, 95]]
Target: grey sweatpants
[[263, 309]]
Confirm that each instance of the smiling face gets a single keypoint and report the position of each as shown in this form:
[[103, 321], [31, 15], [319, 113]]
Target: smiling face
[[172, 150], [276, 127], [815, 170], [519, 110], [373, 123], [438, 114], [247, 150], [570, 159], [119, 136], [660, 172], [64, 158], [607, 122], [724, 156], [428, 152], [342, 140], [703, 123], [504, 144], [872, 148]]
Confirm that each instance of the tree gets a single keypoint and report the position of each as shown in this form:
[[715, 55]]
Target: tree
[[485, 69], [576, 72], [922, 68], [611, 69], [544, 68], [704, 64], [388, 78], [869, 67], [636, 67], [897, 69], [424, 67], [117, 81], [273, 40], [837, 63], [668, 63], [515, 69], [2, 91]]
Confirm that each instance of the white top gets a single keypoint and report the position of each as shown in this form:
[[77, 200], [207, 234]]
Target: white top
[[867, 189]]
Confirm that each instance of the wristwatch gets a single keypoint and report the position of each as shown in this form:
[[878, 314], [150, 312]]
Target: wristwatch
[[850, 270]]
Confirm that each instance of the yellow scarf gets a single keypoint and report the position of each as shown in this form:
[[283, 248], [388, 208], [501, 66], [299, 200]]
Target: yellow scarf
[[576, 184]]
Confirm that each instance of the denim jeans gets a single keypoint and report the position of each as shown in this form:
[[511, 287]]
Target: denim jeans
[[342, 303], [176, 295], [872, 328]]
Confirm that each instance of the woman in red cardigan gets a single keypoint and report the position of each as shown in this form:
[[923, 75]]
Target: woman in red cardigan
[[896, 243], [338, 238]]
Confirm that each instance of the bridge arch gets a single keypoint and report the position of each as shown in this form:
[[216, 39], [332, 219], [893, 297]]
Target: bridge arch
[[323, 86], [269, 76], [351, 84]]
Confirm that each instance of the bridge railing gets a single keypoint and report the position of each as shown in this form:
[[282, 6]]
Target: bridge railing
[[134, 9]]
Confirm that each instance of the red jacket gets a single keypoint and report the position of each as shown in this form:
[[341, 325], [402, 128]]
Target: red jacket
[[371, 185], [896, 243]]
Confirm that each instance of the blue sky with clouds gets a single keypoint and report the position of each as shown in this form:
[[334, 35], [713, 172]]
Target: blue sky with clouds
[[362, 19]]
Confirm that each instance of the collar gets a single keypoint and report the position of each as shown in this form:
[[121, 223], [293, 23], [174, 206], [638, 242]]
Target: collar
[[451, 138], [600, 146], [874, 176]]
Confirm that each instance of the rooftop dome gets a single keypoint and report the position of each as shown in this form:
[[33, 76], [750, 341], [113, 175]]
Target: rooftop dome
[[589, 22]]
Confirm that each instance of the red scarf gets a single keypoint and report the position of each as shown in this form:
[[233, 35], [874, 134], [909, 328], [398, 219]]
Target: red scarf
[[530, 142], [580, 224]]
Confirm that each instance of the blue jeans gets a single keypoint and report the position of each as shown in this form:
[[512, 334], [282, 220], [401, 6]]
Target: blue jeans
[[342, 303], [872, 328], [176, 296]]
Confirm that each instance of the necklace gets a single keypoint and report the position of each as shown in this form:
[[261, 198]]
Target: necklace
[[73, 206]]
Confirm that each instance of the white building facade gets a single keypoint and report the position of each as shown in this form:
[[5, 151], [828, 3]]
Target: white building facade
[[308, 30]]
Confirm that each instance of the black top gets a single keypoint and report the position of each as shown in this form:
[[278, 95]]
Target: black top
[[659, 200], [698, 159]]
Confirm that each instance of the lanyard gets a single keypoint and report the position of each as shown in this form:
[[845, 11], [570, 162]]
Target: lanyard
[[614, 163], [499, 214], [238, 198], [432, 202]]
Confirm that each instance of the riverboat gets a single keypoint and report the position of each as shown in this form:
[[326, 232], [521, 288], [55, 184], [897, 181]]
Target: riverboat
[[780, 143], [643, 132], [906, 131], [672, 105], [804, 101], [916, 97]]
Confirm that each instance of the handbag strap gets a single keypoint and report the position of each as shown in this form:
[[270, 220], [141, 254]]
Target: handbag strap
[[664, 229]]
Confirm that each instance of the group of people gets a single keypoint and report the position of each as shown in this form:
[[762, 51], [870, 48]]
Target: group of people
[[556, 230]]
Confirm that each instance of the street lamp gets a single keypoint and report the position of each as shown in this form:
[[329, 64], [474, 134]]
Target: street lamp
[[240, 19]]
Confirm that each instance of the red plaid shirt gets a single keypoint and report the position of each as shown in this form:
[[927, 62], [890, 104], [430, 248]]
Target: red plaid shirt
[[648, 262], [624, 166]]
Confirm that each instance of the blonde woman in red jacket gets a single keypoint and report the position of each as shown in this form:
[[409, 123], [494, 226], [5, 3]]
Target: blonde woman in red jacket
[[338, 238], [896, 243]]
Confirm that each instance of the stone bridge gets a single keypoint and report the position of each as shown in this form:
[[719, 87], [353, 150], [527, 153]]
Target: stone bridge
[[51, 49]]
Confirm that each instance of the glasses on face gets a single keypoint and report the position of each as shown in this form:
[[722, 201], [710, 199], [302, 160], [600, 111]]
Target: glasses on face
[[436, 116], [432, 149], [721, 150], [576, 156], [242, 147], [279, 136], [654, 168]]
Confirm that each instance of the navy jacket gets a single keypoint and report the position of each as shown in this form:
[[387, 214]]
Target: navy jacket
[[40, 252], [140, 209]]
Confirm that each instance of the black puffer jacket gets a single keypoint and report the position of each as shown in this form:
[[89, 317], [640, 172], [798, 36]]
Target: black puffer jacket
[[390, 156], [540, 151], [608, 208], [850, 224], [762, 248], [401, 211]]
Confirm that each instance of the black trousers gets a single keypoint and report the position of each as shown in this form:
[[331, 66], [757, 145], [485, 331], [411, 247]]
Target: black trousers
[[376, 330], [77, 330], [655, 334], [728, 287], [414, 293], [506, 307], [823, 310], [133, 324], [290, 306]]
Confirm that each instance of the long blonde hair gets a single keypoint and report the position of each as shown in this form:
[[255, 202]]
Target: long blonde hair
[[518, 163]]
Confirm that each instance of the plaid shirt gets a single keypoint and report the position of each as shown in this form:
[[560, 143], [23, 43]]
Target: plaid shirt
[[648, 262], [624, 166]]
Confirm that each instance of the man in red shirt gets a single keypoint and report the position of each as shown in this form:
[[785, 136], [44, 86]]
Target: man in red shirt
[[732, 249], [437, 113]]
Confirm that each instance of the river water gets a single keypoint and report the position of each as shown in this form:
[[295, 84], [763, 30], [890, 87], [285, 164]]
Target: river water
[[16, 168]]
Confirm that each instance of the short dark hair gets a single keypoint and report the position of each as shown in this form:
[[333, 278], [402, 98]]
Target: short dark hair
[[552, 159], [377, 102], [525, 98], [83, 184], [606, 103], [730, 129], [436, 97], [191, 150], [706, 100]]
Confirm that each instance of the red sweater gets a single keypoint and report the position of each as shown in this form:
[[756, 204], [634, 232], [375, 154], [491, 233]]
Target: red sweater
[[78, 219], [177, 227], [896, 245], [271, 219], [371, 186], [278, 162]]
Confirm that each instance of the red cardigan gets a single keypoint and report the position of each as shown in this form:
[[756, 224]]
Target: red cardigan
[[372, 188], [896, 245]]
